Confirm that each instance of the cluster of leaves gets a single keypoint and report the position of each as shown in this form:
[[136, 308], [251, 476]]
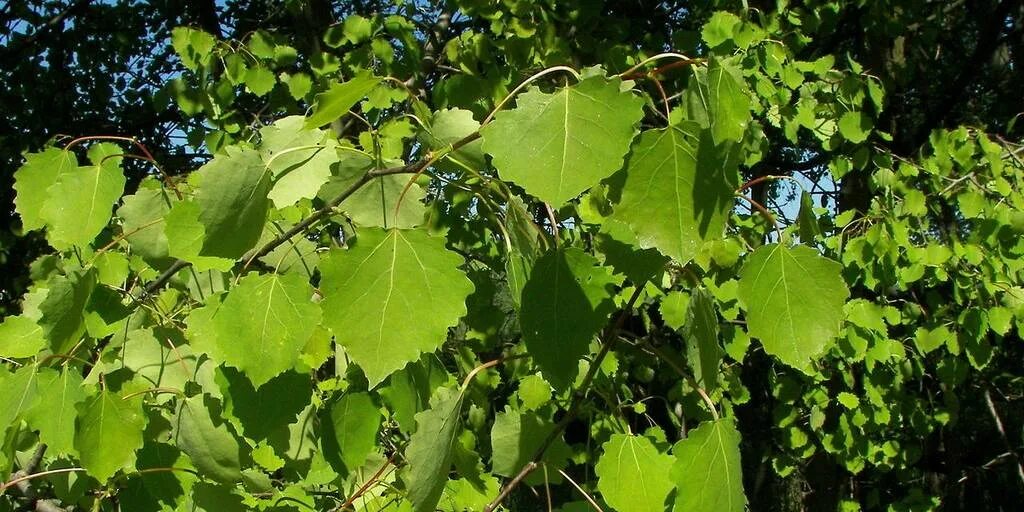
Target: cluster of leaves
[[560, 292]]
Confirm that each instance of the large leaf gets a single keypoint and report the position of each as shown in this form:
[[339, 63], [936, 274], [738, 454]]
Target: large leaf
[[300, 159], [430, 448], [337, 100], [558, 145], [678, 191], [794, 302], [632, 475], [201, 432], [391, 297], [233, 202], [567, 300], [32, 180], [54, 414], [707, 471], [350, 431], [108, 432], [80, 203], [701, 333], [264, 323]]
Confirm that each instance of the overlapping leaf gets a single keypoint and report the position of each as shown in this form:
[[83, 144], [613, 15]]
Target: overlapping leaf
[[108, 432], [567, 300], [32, 180], [430, 449], [233, 204], [677, 176], [391, 297]]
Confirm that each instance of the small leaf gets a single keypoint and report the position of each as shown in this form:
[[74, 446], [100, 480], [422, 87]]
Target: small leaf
[[701, 334], [264, 323], [108, 431], [430, 448], [720, 28], [810, 229], [201, 432], [567, 301], [337, 100], [558, 145], [20, 392], [300, 159], [515, 439], [718, 99], [63, 308], [391, 297], [33, 179], [707, 472], [20, 337], [794, 302], [855, 126], [632, 475]]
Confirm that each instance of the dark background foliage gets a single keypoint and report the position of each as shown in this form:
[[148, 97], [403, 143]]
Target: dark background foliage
[[92, 67]]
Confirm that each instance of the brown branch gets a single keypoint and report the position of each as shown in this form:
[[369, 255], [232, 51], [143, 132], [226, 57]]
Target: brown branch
[[609, 337], [1002, 433]]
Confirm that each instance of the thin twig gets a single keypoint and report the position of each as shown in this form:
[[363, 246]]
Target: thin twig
[[1002, 433], [585, 494], [609, 337], [369, 483]]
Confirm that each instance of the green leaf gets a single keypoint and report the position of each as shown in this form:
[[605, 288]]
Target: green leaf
[[855, 126], [265, 413], [186, 235], [201, 432], [810, 229], [337, 100], [430, 448], [264, 323], [515, 439], [391, 297], [522, 248], [662, 182], [63, 308], [534, 392], [21, 393], [34, 177], [108, 431], [300, 159], [408, 390], [260, 80], [194, 46], [20, 337], [717, 98], [558, 145], [567, 301], [720, 28], [794, 302], [233, 202], [53, 415], [632, 475], [373, 205], [357, 29], [80, 203], [701, 334], [350, 431], [449, 126], [707, 471]]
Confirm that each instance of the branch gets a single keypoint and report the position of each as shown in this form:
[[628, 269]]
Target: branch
[[316, 216], [12, 52], [610, 335], [1002, 433]]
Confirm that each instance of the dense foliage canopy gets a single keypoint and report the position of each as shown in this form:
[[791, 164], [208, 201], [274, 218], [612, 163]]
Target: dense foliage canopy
[[517, 255]]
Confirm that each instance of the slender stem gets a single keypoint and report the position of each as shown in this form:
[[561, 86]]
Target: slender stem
[[769, 177], [554, 222], [526, 82], [484, 366], [292, 150], [689, 378], [142, 147], [369, 483], [15, 481], [153, 390], [763, 211], [610, 335], [1002, 433], [124, 235], [667, 55], [586, 495]]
